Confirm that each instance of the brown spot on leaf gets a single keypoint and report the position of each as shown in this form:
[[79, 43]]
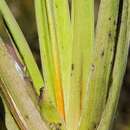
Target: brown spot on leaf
[[41, 93], [56, 6], [93, 67], [109, 18], [26, 116], [72, 66], [109, 35], [114, 22], [102, 53]]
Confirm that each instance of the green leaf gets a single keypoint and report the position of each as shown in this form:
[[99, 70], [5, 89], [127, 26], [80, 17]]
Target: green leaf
[[48, 104], [64, 42], [56, 57], [97, 84], [118, 70], [45, 48], [22, 45], [83, 43], [9, 120]]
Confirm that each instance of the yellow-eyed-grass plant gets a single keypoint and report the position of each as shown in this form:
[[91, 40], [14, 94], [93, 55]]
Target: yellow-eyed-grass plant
[[82, 66]]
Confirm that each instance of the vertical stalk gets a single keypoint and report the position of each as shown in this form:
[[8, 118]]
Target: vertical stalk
[[14, 90], [10, 123], [55, 53], [45, 49], [83, 42], [48, 103], [97, 84], [64, 42], [118, 70]]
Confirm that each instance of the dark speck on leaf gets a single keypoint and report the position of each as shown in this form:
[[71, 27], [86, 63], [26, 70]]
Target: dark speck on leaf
[[41, 93], [114, 22], [109, 18], [56, 6], [109, 34], [95, 126], [72, 67], [93, 67], [102, 53], [26, 116], [60, 124]]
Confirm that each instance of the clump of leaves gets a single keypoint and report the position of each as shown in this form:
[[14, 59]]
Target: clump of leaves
[[82, 67]]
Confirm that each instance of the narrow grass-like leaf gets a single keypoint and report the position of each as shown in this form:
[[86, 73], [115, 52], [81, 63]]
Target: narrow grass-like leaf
[[48, 103], [101, 65], [9, 120], [83, 39], [87, 41], [118, 70], [64, 41], [22, 45], [49, 5], [45, 48]]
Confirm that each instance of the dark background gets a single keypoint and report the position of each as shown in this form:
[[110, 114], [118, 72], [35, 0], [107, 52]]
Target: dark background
[[25, 15]]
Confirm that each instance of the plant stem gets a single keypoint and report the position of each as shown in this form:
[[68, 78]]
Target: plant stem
[[48, 101], [14, 90], [118, 70], [97, 84], [64, 42], [45, 49], [9, 120], [83, 39], [49, 5]]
